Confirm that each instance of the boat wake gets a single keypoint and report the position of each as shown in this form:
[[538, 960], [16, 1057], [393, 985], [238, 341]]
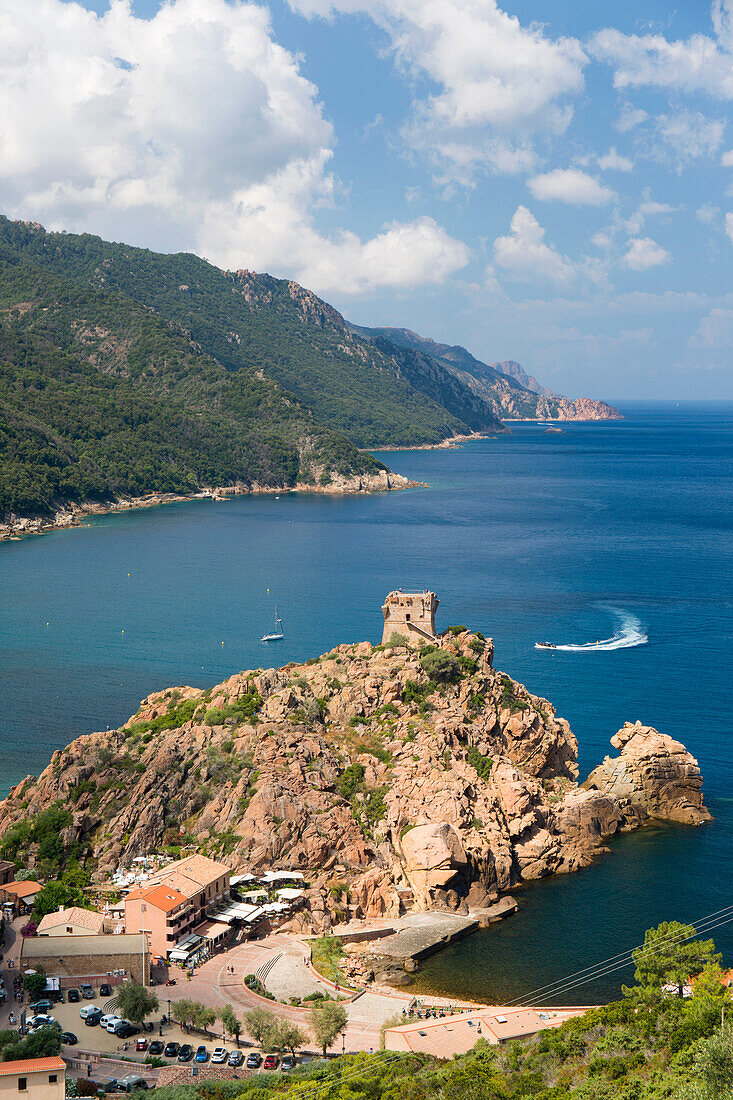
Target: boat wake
[[628, 635]]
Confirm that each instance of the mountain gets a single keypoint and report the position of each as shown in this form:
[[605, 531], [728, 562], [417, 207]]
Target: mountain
[[416, 779], [505, 387], [126, 372], [512, 369]]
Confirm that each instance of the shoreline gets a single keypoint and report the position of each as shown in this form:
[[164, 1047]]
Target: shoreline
[[459, 440], [75, 516]]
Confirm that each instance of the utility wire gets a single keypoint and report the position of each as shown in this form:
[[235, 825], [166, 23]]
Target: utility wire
[[614, 962]]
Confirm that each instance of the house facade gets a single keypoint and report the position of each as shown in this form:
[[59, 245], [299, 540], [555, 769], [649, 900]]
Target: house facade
[[34, 1078]]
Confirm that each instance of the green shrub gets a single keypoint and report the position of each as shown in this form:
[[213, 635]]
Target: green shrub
[[481, 764], [440, 667]]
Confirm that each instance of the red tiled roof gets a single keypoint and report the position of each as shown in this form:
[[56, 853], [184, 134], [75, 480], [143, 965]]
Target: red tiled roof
[[31, 1065], [22, 889], [162, 897]]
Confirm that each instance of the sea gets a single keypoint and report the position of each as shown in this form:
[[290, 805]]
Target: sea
[[613, 540]]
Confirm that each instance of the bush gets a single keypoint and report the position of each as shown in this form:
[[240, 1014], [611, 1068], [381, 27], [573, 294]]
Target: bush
[[440, 667], [481, 764]]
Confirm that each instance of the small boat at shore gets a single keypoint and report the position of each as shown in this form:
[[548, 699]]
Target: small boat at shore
[[276, 634]]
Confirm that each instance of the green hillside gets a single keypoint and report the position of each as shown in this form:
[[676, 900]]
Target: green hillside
[[374, 393], [100, 397]]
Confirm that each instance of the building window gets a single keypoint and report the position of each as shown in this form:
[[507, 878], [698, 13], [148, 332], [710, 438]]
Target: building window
[[52, 1078], [22, 1084], [68, 929]]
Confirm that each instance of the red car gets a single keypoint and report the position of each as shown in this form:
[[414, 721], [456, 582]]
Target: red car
[[141, 1044], [270, 1062]]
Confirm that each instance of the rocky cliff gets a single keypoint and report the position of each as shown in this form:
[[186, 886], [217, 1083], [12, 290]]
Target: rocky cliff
[[395, 779], [505, 387]]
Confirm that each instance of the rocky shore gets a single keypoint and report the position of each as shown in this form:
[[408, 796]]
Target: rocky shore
[[74, 515], [397, 780]]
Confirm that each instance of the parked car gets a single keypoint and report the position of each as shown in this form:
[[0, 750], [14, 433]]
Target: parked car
[[131, 1083], [271, 1062], [185, 1053], [235, 1058], [141, 1044], [107, 1084], [202, 1054], [287, 1062], [69, 1039], [87, 992], [126, 1030], [219, 1056], [105, 990], [253, 1060], [41, 1006], [93, 1018], [171, 1050], [84, 1012], [57, 996], [112, 1024], [156, 1048], [41, 1019], [73, 996], [109, 1017]]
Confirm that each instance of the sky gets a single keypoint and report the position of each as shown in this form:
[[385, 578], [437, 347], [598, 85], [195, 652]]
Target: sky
[[551, 183]]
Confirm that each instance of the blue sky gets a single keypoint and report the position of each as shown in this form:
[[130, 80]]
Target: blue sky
[[553, 190]]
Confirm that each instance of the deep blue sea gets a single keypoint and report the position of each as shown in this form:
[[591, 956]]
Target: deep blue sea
[[612, 531]]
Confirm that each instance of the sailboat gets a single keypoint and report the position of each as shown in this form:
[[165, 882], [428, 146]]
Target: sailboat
[[276, 634]]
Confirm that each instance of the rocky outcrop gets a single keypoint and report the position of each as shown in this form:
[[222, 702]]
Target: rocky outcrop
[[652, 777], [391, 791]]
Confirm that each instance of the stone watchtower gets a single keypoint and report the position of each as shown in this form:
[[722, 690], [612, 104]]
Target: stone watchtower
[[411, 614]]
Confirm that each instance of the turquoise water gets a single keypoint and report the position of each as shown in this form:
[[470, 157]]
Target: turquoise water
[[620, 530]]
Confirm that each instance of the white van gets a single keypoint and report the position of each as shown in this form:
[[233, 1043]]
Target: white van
[[87, 1010]]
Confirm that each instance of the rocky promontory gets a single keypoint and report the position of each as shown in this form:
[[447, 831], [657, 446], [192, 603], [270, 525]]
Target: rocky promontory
[[395, 778]]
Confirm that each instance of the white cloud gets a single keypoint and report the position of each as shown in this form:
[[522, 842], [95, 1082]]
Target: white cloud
[[498, 83], [700, 63], [715, 330], [572, 186], [707, 213], [729, 225], [643, 253], [192, 129], [629, 118], [525, 254], [727, 159], [687, 136], [613, 161]]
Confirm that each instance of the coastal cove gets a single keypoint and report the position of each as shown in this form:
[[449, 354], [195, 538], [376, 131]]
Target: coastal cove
[[570, 538]]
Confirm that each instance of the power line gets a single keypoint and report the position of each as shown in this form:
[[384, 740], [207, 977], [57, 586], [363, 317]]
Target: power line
[[616, 962], [600, 971]]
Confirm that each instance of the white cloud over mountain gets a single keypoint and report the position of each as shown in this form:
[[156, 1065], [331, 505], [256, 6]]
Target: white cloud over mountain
[[193, 128]]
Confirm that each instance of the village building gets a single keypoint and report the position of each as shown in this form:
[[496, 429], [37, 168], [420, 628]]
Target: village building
[[75, 959], [163, 913], [410, 614], [456, 1034], [7, 871], [20, 895], [172, 907], [72, 922], [34, 1078]]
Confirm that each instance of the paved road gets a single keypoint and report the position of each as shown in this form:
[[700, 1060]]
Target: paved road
[[220, 980]]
